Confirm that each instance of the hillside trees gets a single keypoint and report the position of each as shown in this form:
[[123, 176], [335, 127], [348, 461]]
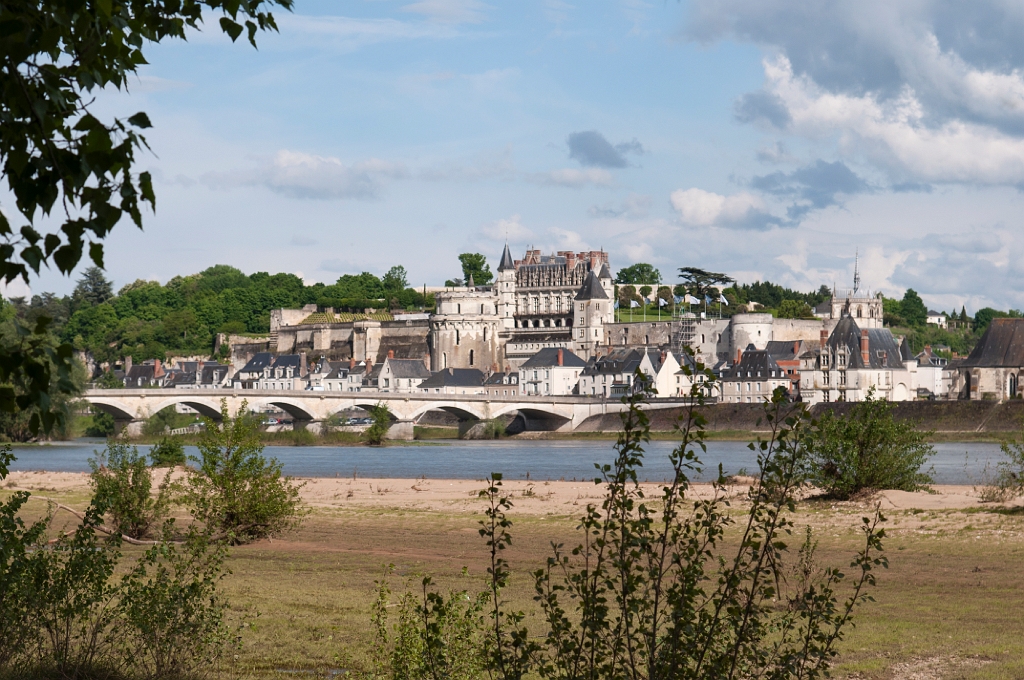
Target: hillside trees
[[638, 274]]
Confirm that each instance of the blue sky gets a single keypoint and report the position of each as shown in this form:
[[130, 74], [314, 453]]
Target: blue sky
[[768, 139]]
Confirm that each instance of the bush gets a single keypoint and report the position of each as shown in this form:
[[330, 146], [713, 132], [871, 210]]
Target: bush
[[653, 590], [63, 613], [168, 452], [122, 486], [1009, 482], [377, 433], [101, 425], [233, 490], [867, 449]]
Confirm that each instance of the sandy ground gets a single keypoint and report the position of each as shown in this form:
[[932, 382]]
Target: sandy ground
[[460, 495]]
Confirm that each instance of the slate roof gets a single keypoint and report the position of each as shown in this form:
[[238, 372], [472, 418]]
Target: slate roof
[[506, 260], [754, 363], [616, 361], [259, 361], [548, 357], [502, 378], [605, 272], [408, 368], [883, 350], [1002, 345], [286, 360], [337, 373], [455, 377], [591, 289], [785, 350]]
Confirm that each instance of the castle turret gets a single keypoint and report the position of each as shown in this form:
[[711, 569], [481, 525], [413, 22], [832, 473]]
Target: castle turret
[[593, 309], [505, 286]]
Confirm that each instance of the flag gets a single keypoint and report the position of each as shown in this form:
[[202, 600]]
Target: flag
[[616, 304], [721, 298], [707, 300], [661, 302], [679, 300], [633, 304], [692, 300]]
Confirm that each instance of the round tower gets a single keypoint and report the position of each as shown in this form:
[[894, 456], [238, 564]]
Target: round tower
[[505, 287]]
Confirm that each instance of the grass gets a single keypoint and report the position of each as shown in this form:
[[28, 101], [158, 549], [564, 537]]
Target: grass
[[952, 589]]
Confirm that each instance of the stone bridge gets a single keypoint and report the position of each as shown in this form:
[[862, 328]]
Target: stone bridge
[[309, 409]]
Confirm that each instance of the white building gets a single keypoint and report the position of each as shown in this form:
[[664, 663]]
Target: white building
[[551, 372]]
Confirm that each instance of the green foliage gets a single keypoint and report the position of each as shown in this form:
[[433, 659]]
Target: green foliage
[[168, 452], [794, 309], [64, 613], [475, 265], [109, 381], [653, 590], [983, 317], [640, 273], [912, 309], [165, 420], [868, 449], [233, 490], [101, 424], [772, 295], [700, 282], [1009, 481], [378, 430], [93, 289], [431, 637], [122, 486]]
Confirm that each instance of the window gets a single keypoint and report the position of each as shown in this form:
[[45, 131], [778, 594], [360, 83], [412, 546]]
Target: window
[[458, 309], [482, 309], [470, 357], [456, 336], [444, 359]]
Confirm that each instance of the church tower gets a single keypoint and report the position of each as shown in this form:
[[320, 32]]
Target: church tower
[[505, 286]]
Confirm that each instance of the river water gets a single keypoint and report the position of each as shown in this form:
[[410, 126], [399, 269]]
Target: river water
[[953, 463]]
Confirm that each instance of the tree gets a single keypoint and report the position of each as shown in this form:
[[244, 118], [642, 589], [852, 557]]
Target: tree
[[54, 151], [639, 273], [701, 282], [983, 317], [792, 309], [474, 265], [914, 313], [92, 289], [122, 484], [645, 291], [381, 421], [395, 280], [868, 449], [233, 490]]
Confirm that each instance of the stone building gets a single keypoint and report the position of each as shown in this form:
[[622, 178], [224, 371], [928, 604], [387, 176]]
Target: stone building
[[995, 368]]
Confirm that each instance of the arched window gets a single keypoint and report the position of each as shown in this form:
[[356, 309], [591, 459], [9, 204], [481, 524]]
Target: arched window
[[470, 357], [485, 334], [444, 359], [456, 337]]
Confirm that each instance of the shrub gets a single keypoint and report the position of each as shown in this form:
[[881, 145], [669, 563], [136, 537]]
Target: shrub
[[867, 449], [101, 424], [378, 430], [122, 486], [64, 614], [1009, 481], [233, 490], [168, 452], [653, 590]]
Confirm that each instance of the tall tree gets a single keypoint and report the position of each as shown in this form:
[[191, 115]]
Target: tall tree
[[475, 265], [93, 289], [395, 280], [55, 151], [701, 282], [913, 310], [638, 274]]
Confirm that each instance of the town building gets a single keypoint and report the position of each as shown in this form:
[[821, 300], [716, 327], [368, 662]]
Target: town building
[[614, 374], [455, 381], [400, 375], [753, 378], [502, 384], [936, 319], [551, 371], [287, 372], [993, 370], [149, 373], [934, 378]]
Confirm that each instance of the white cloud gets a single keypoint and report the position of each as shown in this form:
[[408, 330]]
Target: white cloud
[[507, 229], [575, 178], [894, 134], [566, 239], [707, 209], [348, 34], [449, 11], [302, 175]]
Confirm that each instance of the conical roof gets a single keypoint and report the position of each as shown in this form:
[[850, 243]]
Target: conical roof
[[605, 272], [506, 261], [591, 289]]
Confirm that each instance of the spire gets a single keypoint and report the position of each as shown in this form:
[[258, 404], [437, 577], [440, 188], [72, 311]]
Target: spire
[[506, 260], [856, 271], [470, 282]]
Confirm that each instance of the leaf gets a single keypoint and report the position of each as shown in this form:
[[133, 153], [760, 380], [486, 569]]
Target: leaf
[[96, 254], [104, 6], [140, 120], [231, 28], [146, 187]]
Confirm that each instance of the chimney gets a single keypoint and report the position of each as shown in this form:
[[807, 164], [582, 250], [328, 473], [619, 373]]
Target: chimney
[[158, 370], [352, 363], [796, 347], [391, 354], [739, 355], [302, 365], [662, 356], [824, 338], [865, 351], [561, 357], [127, 365]]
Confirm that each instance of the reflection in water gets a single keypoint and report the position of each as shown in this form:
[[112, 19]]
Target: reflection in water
[[954, 463]]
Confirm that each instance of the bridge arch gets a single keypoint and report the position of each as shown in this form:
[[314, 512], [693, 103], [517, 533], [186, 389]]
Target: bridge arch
[[205, 407], [114, 407], [536, 418], [292, 407], [461, 411]]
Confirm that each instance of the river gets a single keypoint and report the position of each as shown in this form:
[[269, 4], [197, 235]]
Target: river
[[953, 463]]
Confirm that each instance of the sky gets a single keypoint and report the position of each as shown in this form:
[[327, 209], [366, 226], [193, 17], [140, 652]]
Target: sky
[[768, 139]]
